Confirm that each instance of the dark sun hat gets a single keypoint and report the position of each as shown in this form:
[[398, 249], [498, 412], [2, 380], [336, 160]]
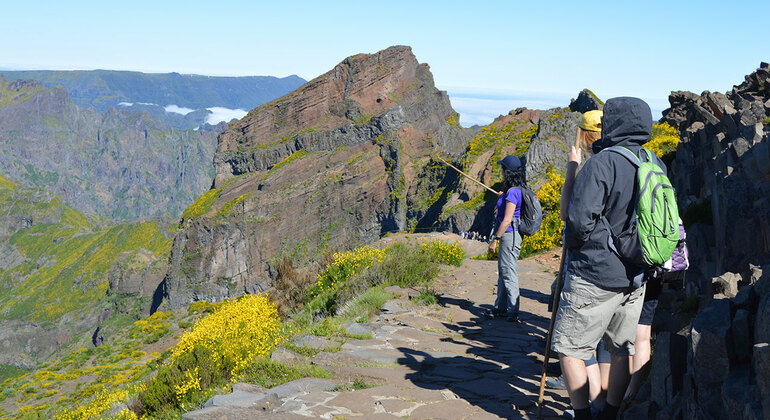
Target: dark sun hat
[[510, 162]]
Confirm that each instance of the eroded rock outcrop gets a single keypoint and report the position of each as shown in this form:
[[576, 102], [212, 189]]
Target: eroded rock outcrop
[[722, 176], [333, 164]]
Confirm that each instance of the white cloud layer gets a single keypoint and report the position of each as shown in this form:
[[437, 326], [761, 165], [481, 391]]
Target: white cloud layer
[[219, 114], [482, 107], [483, 111], [178, 109]]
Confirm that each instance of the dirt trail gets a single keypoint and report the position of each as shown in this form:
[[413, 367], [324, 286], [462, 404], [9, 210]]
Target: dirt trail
[[445, 361]]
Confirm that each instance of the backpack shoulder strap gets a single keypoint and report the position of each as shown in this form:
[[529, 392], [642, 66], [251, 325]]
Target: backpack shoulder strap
[[627, 154]]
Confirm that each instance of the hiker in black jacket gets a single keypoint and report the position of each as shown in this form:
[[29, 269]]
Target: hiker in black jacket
[[602, 295]]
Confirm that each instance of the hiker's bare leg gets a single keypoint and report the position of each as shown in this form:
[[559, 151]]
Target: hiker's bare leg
[[594, 382], [640, 358], [604, 374], [619, 378], [576, 380]]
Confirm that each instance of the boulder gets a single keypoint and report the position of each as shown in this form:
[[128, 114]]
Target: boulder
[[710, 343], [761, 365], [737, 393], [668, 367], [586, 101], [762, 323], [741, 334], [726, 284]]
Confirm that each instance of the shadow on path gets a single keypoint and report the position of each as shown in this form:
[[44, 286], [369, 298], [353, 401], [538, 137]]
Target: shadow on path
[[500, 372]]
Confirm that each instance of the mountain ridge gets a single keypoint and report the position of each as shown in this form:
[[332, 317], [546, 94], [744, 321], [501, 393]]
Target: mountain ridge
[[104, 88]]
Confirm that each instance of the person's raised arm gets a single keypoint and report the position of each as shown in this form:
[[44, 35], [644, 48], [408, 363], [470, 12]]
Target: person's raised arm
[[573, 161]]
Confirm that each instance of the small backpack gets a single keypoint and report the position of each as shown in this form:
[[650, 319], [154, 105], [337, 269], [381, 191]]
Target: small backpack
[[654, 232], [531, 215]]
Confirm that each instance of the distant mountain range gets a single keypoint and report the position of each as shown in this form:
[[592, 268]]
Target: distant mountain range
[[183, 101], [102, 89]]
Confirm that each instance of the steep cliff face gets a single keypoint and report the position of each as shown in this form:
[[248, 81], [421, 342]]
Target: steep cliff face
[[121, 164], [331, 165], [719, 365], [722, 174]]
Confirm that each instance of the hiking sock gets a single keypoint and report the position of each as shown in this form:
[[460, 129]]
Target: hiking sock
[[583, 414], [610, 412]]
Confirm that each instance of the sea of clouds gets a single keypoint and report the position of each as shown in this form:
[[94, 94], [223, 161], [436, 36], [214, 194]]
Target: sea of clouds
[[216, 114], [481, 107]]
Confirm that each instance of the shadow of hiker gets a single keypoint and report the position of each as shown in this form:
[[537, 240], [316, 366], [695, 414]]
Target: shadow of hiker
[[501, 371], [495, 388]]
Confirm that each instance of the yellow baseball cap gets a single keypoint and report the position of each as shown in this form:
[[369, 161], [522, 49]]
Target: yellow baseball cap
[[591, 120]]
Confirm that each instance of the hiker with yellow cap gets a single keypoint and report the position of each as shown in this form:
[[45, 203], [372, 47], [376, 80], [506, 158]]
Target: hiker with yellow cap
[[589, 130]]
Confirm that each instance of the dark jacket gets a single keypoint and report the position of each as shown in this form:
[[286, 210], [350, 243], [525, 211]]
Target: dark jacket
[[605, 187]]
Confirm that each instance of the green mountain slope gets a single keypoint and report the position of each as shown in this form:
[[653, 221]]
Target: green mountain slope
[[56, 267]]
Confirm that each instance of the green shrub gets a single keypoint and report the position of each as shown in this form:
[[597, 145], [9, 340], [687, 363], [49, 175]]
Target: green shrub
[[427, 297], [268, 373]]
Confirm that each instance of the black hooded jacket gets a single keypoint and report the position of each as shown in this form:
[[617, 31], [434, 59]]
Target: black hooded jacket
[[605, 187]]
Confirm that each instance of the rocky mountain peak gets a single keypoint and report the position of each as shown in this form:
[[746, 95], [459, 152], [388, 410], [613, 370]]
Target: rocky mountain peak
[[364, 95], [340, 161], [586, 101]]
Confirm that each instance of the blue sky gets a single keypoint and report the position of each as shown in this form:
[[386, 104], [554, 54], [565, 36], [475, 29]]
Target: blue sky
[[490, 56]]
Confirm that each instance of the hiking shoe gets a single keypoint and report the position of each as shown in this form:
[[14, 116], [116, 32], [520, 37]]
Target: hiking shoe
[[555, 383], [495, 314]]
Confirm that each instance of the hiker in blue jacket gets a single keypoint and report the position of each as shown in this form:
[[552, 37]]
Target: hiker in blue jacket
[[507, 233], [602, 295]]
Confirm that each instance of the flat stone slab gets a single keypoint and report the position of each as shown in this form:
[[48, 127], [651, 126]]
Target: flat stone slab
[[453, 409], [304, 385], [285, 356], [392, 307], [353, 344], [313, 342], [357, 329], [240, 399], [377, 356], [341, 358]]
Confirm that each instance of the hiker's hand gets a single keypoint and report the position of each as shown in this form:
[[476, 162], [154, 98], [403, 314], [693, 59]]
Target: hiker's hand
[[574, 155], [499, 193], [492, 246]]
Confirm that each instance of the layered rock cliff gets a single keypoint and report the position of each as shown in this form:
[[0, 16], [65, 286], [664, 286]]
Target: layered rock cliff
[[333, 164]]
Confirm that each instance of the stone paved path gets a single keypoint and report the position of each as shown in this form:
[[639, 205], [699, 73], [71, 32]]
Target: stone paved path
[[444, 361]]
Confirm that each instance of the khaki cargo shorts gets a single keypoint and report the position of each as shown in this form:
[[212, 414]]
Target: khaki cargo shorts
[[587, 313]]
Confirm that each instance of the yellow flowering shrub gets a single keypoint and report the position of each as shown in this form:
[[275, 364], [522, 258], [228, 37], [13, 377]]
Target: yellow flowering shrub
[[217, 348], [344, 266], [549, 235], [96, 408], [444, 252], [240, 330], [663, 141], [151, 329]]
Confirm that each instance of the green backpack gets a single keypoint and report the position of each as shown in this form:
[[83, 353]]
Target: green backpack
[[655, 233]]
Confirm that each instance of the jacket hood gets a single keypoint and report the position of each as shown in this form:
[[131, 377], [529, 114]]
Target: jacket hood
[[626, 122]]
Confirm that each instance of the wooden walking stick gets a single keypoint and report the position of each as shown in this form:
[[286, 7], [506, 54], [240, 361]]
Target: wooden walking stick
[[468, 176], [556, 298]]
